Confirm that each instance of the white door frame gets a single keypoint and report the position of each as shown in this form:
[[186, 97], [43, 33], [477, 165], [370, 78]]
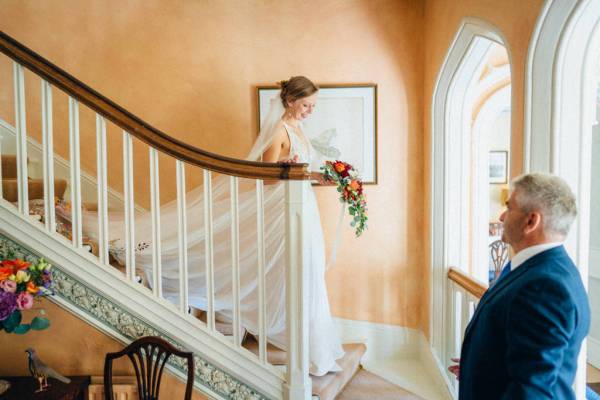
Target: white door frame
[[562, 62], [445, 184]]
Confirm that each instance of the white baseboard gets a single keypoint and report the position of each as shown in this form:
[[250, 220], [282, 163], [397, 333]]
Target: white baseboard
[[398, 354]]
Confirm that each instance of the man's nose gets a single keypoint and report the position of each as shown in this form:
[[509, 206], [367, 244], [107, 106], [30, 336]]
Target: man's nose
[[501, 218]]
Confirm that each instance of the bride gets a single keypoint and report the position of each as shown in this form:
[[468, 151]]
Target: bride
[[281, 140]]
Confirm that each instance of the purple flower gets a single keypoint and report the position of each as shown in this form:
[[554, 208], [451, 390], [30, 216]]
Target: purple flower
[[8, 304]]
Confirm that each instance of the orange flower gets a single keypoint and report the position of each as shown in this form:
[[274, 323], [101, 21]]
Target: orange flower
[[339, 167], [354, 185], [5, 272], [31, 288]]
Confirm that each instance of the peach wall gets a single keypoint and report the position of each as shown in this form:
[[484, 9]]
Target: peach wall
[[190, 69], [72, 347], [516, 19]]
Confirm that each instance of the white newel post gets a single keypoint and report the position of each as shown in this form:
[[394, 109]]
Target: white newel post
[[298, 384]]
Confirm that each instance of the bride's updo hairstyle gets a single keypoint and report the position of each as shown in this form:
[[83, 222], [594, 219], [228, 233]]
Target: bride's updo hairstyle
[[297, 87]]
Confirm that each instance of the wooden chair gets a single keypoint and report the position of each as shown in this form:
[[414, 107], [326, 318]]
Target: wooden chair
[[148, 355], [499, 253]]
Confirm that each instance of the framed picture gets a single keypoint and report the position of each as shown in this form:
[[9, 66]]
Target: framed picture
[[499, 166], [343, 125]]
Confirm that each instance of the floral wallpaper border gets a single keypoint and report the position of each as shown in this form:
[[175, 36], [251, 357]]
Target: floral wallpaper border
[[121, 320]]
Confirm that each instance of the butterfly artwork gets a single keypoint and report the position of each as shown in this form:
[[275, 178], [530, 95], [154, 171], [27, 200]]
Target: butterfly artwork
[[322, 144]]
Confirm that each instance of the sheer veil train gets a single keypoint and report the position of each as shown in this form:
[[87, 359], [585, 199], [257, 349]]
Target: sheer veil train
[[325, 347]]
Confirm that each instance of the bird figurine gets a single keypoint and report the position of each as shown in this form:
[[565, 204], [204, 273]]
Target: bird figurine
[[40, 371]]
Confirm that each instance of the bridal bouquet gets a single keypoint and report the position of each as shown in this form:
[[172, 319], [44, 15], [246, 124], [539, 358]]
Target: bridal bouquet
[[350, 188], [21, 283]]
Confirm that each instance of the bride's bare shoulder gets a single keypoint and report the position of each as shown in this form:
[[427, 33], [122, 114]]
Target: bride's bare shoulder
[[280, 132]]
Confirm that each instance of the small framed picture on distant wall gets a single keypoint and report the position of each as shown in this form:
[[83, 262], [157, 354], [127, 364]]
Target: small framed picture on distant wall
[[498, 166]]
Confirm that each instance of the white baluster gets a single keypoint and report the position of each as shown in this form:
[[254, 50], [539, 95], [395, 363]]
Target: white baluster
[[449, 344], [235, 258], [208, 250], [102, 189], [453, 339], [75, 172], [48, 157], [183, 256], [21, 130], [155, 209], [262, 304], [298, 385], [456, 316], [129, 207], [464, 311]]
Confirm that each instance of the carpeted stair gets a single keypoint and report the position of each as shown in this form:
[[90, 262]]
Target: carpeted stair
[[10, 190], [328, 386]]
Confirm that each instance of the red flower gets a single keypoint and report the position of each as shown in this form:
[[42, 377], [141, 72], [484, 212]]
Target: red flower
[[15, 265], [5, 272]]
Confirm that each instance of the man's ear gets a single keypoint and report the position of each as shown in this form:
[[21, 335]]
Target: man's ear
[[534, 221]]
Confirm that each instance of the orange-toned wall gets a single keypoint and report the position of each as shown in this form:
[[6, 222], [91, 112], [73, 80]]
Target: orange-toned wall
[[190, 68], [72, 347], [516, 20]]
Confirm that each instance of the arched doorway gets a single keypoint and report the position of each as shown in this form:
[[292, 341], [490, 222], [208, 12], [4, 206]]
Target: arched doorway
[[456, 95]]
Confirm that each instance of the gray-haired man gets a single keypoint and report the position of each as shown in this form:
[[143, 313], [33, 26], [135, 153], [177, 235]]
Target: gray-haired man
[[525, 336]]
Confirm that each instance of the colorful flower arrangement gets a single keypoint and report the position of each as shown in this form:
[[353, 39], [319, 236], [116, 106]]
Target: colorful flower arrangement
[[21, 283], [351, 192]]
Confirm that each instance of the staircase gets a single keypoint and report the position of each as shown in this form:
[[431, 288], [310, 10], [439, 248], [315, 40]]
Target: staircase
[[228, 363]]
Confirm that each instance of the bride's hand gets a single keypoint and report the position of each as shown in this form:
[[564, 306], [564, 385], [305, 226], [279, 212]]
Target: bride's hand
[[320, 178], [292, 160]]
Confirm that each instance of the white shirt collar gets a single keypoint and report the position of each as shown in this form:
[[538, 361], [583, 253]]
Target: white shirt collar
[[529, 252]]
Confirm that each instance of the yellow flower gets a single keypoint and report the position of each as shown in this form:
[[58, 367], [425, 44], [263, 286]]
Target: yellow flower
[[21, 276]]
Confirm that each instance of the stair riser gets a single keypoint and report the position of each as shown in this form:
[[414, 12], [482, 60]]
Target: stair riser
[[9, 166], [10, 189]]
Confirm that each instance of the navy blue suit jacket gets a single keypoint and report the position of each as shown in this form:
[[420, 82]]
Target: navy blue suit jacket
[[524, 338]]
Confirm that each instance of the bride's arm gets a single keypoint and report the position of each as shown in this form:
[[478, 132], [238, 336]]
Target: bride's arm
[[280, 144]]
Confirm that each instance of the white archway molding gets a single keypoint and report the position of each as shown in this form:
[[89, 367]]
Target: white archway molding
[[562, 63], [549, 29], [495, 105], [454, 78]]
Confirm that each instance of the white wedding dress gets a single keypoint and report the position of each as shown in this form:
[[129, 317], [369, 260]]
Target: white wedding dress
[[324, 343]]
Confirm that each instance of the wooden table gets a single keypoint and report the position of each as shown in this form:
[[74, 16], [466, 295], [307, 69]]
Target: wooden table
[[24, 387]]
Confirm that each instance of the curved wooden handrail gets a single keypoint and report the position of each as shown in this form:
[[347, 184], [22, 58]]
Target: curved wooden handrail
[[142, 130], [466, 282]]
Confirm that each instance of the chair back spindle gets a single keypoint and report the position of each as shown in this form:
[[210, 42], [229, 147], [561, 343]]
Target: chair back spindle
[[149, 355]]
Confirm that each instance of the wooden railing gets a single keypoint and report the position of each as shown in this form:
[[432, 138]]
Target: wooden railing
[[463, 294], [466, 282], [141, 129], [297, 383]]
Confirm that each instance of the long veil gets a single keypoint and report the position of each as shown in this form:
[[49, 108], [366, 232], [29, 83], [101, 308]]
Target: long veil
[[274, 246]]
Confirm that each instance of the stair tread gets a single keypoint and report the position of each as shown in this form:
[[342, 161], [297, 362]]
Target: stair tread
[[35, 188], [328, 386], [225, 328], [275, 355]]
